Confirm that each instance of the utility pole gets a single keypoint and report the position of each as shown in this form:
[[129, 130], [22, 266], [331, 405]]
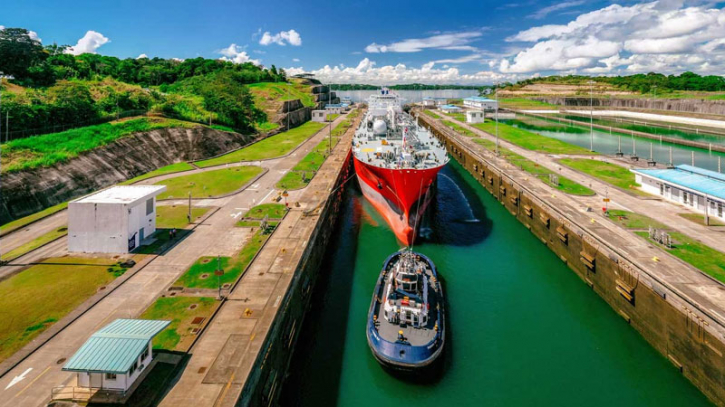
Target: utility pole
[[188, 216], [497, 151], [1, 132], [671, 163], [591, 115], [329, 151], [693, 158]]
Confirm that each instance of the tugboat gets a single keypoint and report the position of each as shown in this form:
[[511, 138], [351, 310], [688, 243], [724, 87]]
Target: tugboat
[[406, 323], [396, 162]]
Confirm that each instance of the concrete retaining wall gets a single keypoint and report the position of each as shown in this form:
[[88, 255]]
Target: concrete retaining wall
[[702, 106], [671, 326]]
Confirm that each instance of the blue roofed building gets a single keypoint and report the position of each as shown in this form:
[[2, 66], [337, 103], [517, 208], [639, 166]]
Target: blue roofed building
[[697, 188], [479, 102], [450, 108], [115, 358]]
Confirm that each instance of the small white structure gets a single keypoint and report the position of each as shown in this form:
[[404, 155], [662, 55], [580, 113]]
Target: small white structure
[[114, 220], [449, 108], [429, 102], [113, 359], [698, 188], [334, 108], [474, 116], [319, 115], [478, 102]]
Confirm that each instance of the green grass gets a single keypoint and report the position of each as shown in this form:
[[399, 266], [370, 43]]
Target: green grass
[[271, 147], [168, 217], [610, 173], [169, 169], [50, 149], [34, 244], [201, 273], [700, 219], [542, 173], [698, 255], [222, 128], [332, 117], [532, 141], [210, 183], [273, 210], [431, 114], [22, 222], [37, 297], [266, 127], [279, 91], [523, 103], [458, 128], [458, 116], [178, 336], [631, 220]]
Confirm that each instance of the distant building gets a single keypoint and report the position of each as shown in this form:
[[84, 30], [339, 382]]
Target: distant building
[[478, 102], [440, 101], [114, 220], [334, 108], [450, 108], [429, 102], [114, 359], [319, 115], [474, 116], [700, 189]]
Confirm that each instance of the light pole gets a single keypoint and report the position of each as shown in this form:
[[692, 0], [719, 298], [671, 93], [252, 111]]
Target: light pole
[[496, 95], [654, 91], [591, 115]]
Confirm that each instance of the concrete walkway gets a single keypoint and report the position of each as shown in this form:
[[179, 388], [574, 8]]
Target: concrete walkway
[[217, 235], [664, 211]]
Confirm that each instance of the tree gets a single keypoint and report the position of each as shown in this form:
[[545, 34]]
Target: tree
[[19, 52]]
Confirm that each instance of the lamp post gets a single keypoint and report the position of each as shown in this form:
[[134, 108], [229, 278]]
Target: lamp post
[[219, 272], [591, 115], [496, 95]]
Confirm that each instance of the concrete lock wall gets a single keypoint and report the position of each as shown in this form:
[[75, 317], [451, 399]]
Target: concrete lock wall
[[265, 382], [678, 333], [97, 228]]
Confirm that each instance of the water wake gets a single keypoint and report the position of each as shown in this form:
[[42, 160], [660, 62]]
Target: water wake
[[471, 216]]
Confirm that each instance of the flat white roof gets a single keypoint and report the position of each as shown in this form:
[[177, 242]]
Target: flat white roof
[[123, 194]]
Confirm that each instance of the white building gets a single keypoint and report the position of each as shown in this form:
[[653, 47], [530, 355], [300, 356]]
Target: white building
[[114, 220], [319, 115], [429, 102], [114, 358], [449, 108], [474, 116], [698, 188], [478, 102]]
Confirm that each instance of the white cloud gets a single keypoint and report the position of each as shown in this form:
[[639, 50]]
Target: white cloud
[[291, 37], [142, 56], [368, 72], [235, 53], [555, 7], [34, 36], [455, 41], [663, 36], [295, 60], [88, 44]]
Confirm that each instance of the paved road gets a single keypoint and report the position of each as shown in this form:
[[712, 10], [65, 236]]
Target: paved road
[[23, 235], [40, 372]]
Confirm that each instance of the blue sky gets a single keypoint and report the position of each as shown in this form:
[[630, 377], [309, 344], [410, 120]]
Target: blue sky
[[395, 41]]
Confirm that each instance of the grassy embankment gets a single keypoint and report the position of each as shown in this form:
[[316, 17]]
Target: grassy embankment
[[532, 141], [302, 173], [169, 169], [22, 222], [209, 183], [201, 273], [565, 184], [50, 149], [175, 216], [36, 298], [524, 104], [269, 97], [457, 127], [181, 311], [431, 114], [34, 244], [687, 249], [610, 173], [271, 147]]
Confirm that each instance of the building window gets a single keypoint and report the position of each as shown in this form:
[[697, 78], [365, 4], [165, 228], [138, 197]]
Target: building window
[[719, 209], [150, 206], [684, 197], [145, 354], [110, 376]]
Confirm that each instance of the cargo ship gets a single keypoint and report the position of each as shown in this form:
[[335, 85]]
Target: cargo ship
[[396, 162], [406, 323]]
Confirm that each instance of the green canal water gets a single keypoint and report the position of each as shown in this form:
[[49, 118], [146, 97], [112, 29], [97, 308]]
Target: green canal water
[[523, 329]]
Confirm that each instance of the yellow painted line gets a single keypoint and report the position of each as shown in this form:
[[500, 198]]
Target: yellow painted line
[[33, 381], [226, 389], [104, 320]]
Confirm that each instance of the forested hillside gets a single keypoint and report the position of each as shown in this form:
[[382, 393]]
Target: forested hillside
[[642, 83], [46, 89]]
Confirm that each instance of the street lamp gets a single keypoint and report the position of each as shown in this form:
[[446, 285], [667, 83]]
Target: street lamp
[[496, 96], [591, 115]]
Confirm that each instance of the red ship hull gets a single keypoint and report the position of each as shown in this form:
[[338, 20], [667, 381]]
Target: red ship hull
[[400, 195]]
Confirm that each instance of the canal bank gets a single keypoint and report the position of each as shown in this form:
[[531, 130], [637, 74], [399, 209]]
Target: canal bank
[[676, 308], [523, 329]]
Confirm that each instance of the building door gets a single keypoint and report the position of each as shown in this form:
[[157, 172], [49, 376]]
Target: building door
[[140, 235], [684, 197], [662, 189], [719, 209], [96, 380]]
